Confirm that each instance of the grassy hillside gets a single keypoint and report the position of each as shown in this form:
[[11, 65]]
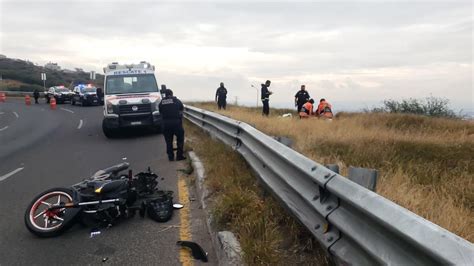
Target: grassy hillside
[[25, 76], [425, 164]]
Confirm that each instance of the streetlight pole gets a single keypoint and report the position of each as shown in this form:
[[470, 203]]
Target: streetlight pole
[[257, 93]]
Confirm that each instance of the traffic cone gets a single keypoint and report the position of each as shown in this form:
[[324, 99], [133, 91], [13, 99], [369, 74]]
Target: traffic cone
[[27, 100], [3, 97], [52, 103]]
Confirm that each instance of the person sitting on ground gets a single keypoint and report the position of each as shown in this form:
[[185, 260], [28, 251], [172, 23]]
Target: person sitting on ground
[[324, 109], [307, 109]]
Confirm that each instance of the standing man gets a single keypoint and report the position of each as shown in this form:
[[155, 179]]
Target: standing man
[[221, 96], [265, 95], [301, 97], [36, 95], [171, 110]]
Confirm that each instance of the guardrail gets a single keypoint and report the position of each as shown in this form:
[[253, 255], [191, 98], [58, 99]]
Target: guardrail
[[354, 224]]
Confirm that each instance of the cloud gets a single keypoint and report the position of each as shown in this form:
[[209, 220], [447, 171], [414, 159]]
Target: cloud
[[347, 51]]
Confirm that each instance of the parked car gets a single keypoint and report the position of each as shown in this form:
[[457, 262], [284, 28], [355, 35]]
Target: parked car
[[60, 93], [85, 95]]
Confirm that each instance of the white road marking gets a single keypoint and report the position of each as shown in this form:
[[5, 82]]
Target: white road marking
[[67, 110], [1, 113], [3, 128], [16, 114], [11, 173], [80, 124]]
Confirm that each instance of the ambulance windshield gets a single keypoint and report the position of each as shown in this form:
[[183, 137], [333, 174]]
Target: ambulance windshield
[[131, 84]]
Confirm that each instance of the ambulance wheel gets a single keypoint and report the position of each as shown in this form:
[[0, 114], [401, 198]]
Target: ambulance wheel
[[108, 132]]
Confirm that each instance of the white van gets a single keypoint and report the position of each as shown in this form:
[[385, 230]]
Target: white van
[[131, 98]]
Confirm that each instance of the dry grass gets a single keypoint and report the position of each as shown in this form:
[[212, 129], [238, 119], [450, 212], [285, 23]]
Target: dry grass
[[425, 164], [10, 84], [267, 234]]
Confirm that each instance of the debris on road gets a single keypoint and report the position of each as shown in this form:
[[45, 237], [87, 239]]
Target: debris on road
[[196, 250]]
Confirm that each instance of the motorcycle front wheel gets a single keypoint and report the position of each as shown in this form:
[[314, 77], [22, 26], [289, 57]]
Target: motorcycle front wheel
[[49, 223]]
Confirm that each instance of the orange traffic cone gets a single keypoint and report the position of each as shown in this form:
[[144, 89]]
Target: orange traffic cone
[[52, 103], [3, 97], [27, 100]]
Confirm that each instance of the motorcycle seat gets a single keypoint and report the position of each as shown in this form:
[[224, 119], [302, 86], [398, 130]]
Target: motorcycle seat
[[113, 169]]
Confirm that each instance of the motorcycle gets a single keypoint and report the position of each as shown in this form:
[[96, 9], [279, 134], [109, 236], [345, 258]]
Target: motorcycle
[[101, 200]]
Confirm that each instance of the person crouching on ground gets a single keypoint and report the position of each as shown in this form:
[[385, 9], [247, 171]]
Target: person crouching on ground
[[307, 109], [324, 109]]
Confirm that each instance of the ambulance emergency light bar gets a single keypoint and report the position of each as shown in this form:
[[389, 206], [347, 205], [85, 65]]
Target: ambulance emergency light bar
[[117, 66]]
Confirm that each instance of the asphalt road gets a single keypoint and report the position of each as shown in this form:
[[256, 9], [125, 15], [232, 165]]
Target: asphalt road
[[42, 148]]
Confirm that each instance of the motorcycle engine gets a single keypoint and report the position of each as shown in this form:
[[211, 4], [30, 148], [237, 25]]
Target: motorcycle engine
[[145, 183]]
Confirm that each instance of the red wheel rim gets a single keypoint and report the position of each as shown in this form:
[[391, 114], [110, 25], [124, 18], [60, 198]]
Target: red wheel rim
[[44, 219]]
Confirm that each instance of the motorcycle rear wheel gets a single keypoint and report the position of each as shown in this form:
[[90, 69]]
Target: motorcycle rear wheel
[[45, 223]]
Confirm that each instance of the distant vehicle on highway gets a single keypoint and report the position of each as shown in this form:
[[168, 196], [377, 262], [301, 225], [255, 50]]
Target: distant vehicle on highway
[[131, 97], [60, 93], [85, 95]]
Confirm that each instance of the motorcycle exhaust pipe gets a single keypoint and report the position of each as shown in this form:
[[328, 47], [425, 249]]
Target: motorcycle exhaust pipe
[[76, 205]]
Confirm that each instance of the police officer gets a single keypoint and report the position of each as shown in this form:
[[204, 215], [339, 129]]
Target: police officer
[[171, 110], [265, 95], [36, 95], [221, 96], [301, 97]]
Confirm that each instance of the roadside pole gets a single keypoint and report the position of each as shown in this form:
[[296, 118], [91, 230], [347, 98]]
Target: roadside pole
[[92, 75], [43, 78], [257, 92]]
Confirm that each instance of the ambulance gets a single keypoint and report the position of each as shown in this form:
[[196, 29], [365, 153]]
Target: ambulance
[[131, 98]]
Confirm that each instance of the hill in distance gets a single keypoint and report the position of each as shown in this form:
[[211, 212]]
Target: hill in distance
[[20, 75]]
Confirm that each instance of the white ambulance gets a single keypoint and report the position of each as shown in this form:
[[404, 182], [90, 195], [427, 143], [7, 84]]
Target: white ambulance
[[131, 98]]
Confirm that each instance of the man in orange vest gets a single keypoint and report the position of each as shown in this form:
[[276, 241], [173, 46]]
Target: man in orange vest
[[324, 109], [307, 109]]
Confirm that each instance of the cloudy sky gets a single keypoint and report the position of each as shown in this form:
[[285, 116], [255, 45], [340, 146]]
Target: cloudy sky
[[354, 53]]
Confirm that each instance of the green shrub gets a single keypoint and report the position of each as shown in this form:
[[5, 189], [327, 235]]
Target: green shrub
[[430, 106]]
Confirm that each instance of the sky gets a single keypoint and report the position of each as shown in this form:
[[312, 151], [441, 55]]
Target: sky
[[353, 53]]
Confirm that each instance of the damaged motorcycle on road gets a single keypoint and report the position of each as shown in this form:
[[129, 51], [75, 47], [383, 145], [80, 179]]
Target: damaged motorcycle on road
[[101, 200]]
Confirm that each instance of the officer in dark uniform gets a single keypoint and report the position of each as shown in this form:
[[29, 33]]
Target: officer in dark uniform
[[36, 95], [171, 110], [301, 97], [163, 90], [221, 96], [265, 95], [100, 95]]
